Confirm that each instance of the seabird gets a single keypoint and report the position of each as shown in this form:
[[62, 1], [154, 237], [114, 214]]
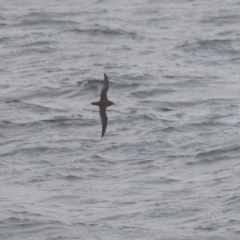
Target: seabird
[[103, 104]]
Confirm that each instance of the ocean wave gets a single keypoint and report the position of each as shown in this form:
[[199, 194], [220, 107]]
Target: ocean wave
[[102, 30], [4, 39], [39, 43], [32, 151], [221, 20], [33, 107], [220, 46], [57, 121], [151, 93], [218, 154], [43, 18]]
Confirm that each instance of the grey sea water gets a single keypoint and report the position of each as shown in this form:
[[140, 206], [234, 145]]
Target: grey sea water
[[168, 165]]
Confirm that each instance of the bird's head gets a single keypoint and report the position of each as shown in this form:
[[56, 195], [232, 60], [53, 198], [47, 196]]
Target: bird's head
[[111, 103]]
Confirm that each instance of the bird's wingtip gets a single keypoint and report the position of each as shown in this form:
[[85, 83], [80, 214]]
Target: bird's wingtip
[[105, 77]]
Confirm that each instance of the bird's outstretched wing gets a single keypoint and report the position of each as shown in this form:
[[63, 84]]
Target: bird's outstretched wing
[[104, 118], [105, 88]]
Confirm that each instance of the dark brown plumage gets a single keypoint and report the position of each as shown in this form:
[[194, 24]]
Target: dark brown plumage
[[103, 104]]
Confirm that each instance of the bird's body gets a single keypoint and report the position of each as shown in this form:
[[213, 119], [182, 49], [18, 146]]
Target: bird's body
[[103, 104]]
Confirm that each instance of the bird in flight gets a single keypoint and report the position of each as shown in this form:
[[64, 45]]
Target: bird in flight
[[103, 104]]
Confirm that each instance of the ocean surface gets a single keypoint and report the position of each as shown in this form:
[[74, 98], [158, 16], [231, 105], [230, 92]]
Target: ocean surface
[[168, 166]]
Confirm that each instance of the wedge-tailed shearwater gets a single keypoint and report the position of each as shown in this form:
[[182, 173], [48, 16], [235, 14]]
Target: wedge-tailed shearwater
[[103, 104]]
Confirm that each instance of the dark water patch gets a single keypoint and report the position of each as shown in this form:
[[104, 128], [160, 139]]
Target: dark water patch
[[212, 102], [141, 162], [34, 51], [169, 76], [163, 109], [7, 124], [39, 43], [51, 70], [94, 12], [71, 178], [147, 11], [95, 32], [11, 141], [76, 169], [187, 80], [148, 117], [4, 86], [13, 101], [150, 93], [218, 181], [4, 39], [217, 101], [225, 33], [217, 46], [203, 125], [171, 212], [26, 213], [180, 156], [61, 121], [221, 20], [45, 19], [137, 77], [29, 227], [46, 93], [64, 198], [22, 222], [2, 136], [139, 118], [34, 151], [175, 105], [156, 105], [3, 165], [124, 85], [35, 180], [14, 126], [1, 17], [98, 30], [131, 148], [146, 52], [103, 160], [33, 107], [127, 48], [207, 229], [218, 154], [170, 129], [232, 201], [117, 217], [161, 180], [160, 19], [118, 203], [192, 82], [97, 157], [235, 59], [233, 226]]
